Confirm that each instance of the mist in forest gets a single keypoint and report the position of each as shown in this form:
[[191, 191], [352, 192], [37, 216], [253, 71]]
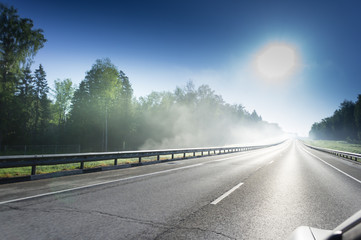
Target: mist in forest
[[190, 117]]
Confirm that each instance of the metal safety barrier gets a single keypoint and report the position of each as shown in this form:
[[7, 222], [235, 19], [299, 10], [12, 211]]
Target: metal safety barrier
[[349, 155], [53, 159]]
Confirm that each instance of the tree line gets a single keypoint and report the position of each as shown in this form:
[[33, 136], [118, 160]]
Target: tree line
[[102, 114], [344, 124]]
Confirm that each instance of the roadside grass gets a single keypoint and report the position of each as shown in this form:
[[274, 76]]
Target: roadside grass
[[25, 171], [336, 145]]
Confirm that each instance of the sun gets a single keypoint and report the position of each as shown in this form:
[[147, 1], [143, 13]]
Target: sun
[[276, 61]]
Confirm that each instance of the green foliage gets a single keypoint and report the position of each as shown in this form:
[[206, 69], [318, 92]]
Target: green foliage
[[336, 145], [357, 114], [102, 103], [19, 42], [41, 104], [190, 117], [344, 124], [63, 93]]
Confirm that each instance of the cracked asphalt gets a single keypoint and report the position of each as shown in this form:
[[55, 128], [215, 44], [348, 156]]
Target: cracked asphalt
[[283, 187]]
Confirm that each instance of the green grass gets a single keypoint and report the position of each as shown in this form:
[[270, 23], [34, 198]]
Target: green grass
[[336, 145], [25, 171]]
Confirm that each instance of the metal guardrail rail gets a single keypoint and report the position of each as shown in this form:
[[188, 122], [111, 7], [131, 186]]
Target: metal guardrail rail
[[349, 155], [54, 159]]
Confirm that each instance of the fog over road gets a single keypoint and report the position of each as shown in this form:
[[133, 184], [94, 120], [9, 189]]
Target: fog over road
[[261, 194]]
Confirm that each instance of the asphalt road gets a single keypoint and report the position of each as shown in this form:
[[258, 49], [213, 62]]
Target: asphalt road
[[261, 194]]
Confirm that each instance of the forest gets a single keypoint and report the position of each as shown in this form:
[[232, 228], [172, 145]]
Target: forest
[[102, 113], [344, 124]]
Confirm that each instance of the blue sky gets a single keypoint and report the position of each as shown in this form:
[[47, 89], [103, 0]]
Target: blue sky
[[164, 44]]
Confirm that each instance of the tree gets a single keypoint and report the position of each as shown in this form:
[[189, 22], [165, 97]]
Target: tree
[[63, 93], [122, 113], [99, 104], [342, 125], [255, 117], [357, 115], [42, 103], [190, 117], [19, 42], [26, 99]]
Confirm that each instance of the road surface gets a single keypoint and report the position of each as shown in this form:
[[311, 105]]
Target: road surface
[[261, 194]]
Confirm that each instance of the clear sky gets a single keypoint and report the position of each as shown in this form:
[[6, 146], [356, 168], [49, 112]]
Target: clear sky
[[164, 44]]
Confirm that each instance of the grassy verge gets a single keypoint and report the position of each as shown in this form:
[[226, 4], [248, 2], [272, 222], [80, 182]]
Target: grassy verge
[[25, 171], [336, 145]]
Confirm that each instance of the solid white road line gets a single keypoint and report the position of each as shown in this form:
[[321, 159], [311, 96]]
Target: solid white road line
[[99, 184], [103, 183], [348, 175], [117, 180], [226, 194]]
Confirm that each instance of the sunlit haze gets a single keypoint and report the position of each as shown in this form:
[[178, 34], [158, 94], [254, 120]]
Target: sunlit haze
[[312, 46]]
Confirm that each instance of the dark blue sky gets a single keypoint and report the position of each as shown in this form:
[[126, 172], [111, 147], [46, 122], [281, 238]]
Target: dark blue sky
[[162, 44]]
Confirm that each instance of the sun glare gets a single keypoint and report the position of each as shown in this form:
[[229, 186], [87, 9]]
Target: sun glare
[[276, 61]]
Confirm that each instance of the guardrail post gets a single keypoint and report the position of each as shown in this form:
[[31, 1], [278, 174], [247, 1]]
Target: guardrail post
[[184, 155], [158, 157], [81, 165], [140, 160], [194, 154], [33, 170], [202, 153], [115, 161], [172, 155]]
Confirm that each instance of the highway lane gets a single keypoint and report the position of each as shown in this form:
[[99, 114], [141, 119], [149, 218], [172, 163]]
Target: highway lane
[[21, 190], [294, 190], [277, 190]]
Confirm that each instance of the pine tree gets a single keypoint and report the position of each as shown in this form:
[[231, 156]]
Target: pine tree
[[42, 103], [26, 99]]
